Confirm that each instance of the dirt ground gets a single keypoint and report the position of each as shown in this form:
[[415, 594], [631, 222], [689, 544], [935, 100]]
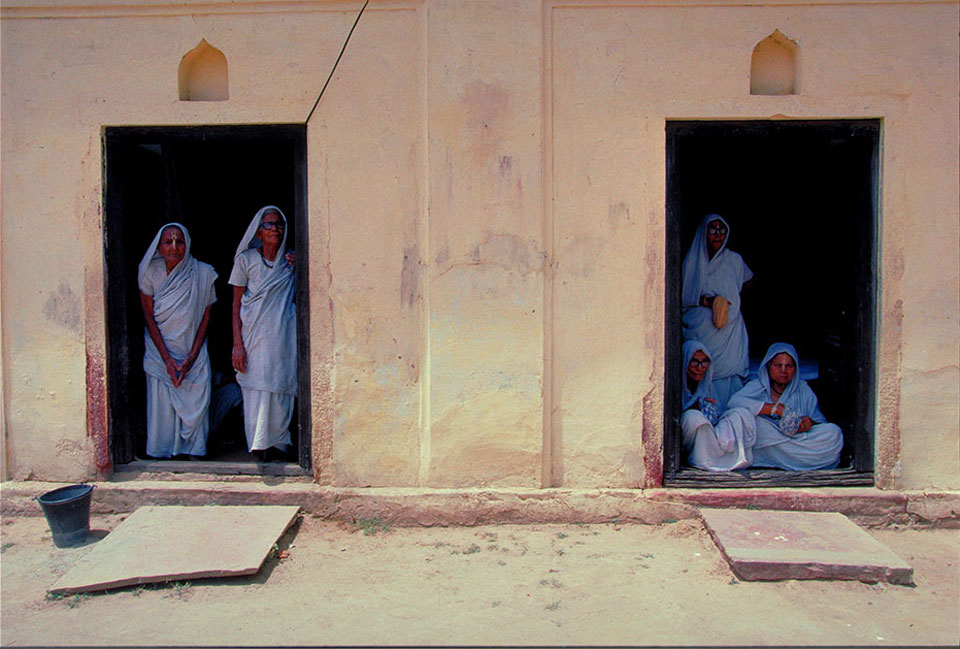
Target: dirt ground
[[334, 584]]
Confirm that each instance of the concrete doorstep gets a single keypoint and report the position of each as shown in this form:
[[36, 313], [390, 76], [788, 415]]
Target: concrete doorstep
[[866, 507], [773, 546], [209, 542]]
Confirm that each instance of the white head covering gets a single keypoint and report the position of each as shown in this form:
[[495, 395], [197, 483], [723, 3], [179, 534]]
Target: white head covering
[[250, 239], [697, 260], [280, 270], [690, 348], [764, 375], [153, 252]]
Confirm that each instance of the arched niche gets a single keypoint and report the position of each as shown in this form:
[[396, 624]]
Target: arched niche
[[773, 68], [203, 74]]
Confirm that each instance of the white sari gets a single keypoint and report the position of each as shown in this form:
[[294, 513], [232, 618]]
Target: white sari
[[269, 332], [724, 275], [817, 448], [177, 420], [724, 446]]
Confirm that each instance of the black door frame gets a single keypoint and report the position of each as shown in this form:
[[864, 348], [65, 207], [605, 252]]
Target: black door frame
[[863, 372], [121, 327]]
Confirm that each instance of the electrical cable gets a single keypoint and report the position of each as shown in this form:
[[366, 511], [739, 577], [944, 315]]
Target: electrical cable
[[336, 63]]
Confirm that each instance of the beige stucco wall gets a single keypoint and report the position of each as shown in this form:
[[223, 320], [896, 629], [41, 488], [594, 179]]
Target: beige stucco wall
[[486, 211]]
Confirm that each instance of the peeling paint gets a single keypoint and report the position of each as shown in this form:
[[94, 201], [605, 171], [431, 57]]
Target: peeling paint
[[652, 431], [97, 412]]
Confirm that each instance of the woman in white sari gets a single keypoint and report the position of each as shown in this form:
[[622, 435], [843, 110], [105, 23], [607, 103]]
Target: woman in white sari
[[792, 433], [265, 332], [712, 279], [176, 292], [714, 438]]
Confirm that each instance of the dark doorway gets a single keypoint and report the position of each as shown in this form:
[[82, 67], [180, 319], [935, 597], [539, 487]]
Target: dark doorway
[[213, 179], [801, 200]]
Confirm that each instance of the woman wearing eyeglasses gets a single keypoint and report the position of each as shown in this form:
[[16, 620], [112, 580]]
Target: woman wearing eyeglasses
[[265, 333], [713, 277], [714, 438], [176, 291], [792, 433]]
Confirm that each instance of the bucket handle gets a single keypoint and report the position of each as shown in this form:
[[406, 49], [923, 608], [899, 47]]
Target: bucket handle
[[92, 487]]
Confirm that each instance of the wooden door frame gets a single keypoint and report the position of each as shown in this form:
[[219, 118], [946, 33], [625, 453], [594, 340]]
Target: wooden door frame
[[864, 415], [117, 363]]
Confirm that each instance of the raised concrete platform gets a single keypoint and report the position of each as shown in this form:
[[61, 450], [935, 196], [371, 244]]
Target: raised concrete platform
[[773, 546], [157, 544], [415, 507]]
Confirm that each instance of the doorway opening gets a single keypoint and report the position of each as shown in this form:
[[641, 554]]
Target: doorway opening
[[212, 179], [801, 200]]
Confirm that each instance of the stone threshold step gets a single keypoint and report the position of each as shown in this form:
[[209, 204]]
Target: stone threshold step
[[419, 506]]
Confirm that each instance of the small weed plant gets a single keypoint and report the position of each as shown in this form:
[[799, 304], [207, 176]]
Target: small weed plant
[[371, 526]]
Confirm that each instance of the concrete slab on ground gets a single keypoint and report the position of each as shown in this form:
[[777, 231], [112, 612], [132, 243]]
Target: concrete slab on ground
[[166, 543], [775, 545]]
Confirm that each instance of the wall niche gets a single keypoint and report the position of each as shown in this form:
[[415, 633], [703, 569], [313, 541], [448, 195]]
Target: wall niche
[[773, 68], [203, 74]]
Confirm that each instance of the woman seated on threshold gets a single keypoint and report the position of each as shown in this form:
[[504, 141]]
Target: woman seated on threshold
[[714, 438], [176, 292], [792, 433], [712, 279], [265, 333]]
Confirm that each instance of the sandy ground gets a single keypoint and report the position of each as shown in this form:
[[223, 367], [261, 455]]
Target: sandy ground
[[333, 584]]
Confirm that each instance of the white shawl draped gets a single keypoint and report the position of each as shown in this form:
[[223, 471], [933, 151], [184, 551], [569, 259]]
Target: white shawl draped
[[724, 275], [179, 300], [725, 446], [267, 313], [797, 396]]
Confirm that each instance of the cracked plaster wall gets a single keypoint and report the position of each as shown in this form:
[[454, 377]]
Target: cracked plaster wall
[[486, 196]]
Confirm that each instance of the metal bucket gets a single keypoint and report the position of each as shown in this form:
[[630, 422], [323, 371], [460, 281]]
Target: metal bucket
[[67, 511]]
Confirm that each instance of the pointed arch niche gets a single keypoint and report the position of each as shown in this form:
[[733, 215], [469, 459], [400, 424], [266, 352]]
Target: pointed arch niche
[[203, 74], [773, 68]]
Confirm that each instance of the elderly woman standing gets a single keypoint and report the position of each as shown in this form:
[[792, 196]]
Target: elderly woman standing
[[792, 433], [176, 292], [712, 279], [714, 438], [265, 332]]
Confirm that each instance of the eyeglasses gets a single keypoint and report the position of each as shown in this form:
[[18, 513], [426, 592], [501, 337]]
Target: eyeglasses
[[270, 225], [717, 230], [695, 363]]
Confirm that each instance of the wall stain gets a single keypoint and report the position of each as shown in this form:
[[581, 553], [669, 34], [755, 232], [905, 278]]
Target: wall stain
[[508, 251], [580, 256], [410, 276], [619, 215], [484, 108], [895, 267], [63, 307]]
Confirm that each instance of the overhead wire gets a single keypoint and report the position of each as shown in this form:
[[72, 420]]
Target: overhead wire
[[336, 63]]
